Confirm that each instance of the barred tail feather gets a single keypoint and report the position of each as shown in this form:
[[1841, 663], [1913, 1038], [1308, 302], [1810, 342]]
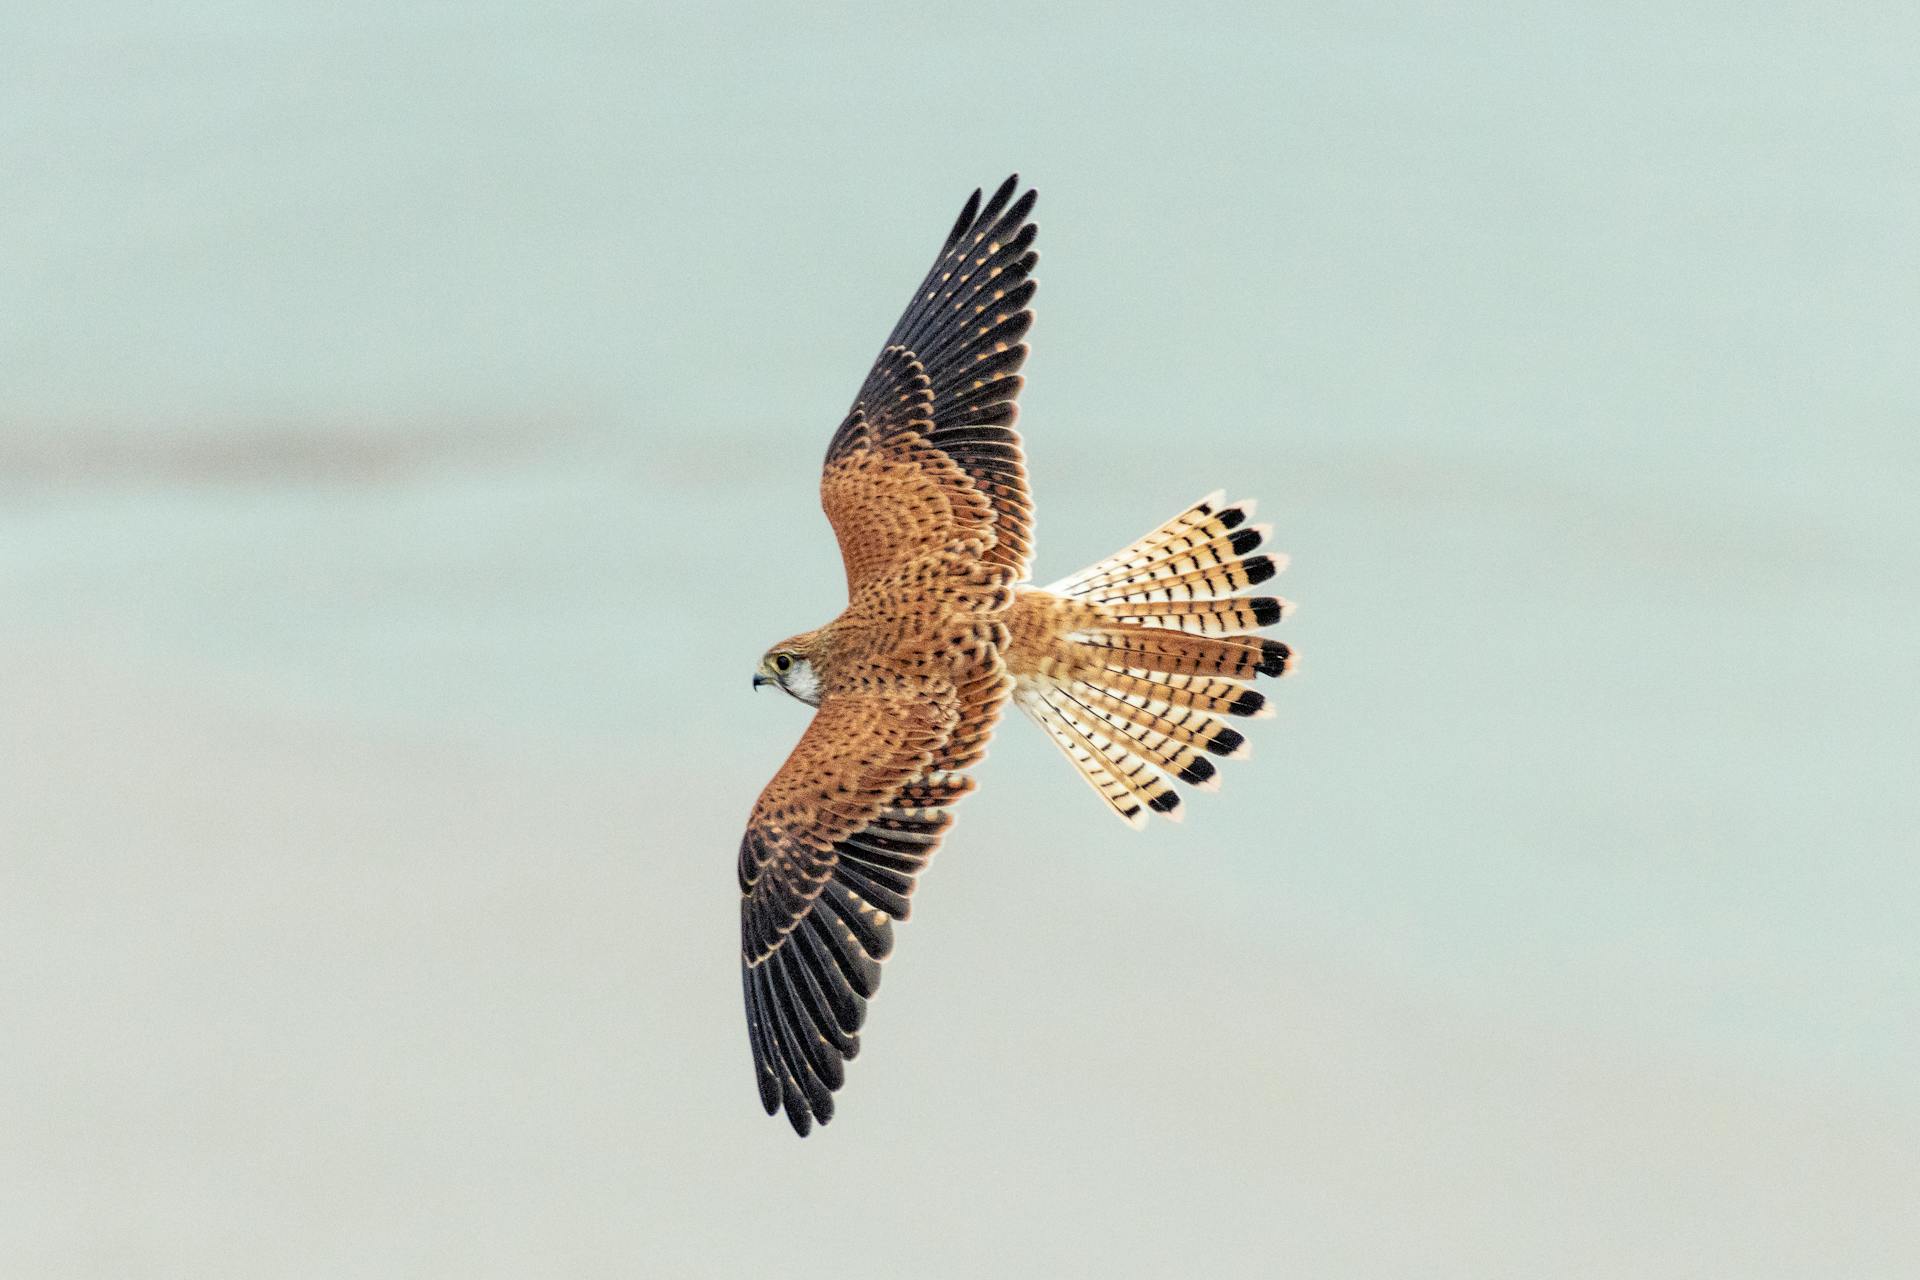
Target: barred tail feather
[[1130, 785], [1154, 739], [1207, 617], [1162, 650], [1204, 553], [1159, 655], [1201, 517]]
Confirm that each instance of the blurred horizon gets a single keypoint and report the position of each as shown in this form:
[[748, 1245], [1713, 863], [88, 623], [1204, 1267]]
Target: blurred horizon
[[409, 437]]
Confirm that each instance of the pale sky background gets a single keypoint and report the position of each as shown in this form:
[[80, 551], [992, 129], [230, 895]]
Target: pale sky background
[[409, 428]]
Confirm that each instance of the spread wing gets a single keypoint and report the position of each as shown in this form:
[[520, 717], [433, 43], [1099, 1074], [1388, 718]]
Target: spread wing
[[828, 863], [928, 455]]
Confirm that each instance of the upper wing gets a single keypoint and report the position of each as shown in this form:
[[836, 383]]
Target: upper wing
[[828, 863], [928, 453]]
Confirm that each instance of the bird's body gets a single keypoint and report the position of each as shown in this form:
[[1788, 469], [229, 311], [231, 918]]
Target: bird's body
[[1133, 666]]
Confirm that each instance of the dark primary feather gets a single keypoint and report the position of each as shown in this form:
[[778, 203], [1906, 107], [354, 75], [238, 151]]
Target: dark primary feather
[[807, 989], [963, 332]]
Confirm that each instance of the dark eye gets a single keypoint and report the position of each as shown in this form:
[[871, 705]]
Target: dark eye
[[782, 662]]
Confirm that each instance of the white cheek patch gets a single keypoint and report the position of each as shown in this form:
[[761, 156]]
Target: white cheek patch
[[803, 684]]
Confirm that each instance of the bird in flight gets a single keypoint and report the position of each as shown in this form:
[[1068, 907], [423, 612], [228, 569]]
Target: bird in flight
[[1134, 666]]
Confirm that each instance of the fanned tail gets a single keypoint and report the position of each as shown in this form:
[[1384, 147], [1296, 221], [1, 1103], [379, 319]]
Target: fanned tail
[[1154, 651]]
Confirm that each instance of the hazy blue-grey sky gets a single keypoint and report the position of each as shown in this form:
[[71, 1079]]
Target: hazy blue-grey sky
[[409, 429]]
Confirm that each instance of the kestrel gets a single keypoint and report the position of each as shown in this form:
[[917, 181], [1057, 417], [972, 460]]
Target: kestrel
[[1132, 666]]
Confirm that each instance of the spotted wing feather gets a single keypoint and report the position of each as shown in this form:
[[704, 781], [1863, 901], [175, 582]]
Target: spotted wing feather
[[830, 860], [947, 382]]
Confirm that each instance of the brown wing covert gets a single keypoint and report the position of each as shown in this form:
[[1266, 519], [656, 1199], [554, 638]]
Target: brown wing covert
[[828, 863], [948, 376]]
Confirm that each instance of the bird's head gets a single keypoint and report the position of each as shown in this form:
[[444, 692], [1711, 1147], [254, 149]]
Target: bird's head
[[789, 665]]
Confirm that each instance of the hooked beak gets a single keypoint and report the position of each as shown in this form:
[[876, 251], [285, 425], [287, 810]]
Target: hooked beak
[[759, 680]]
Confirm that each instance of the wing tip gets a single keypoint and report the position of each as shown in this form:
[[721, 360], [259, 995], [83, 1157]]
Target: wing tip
[[968, 212], [982, 210]]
